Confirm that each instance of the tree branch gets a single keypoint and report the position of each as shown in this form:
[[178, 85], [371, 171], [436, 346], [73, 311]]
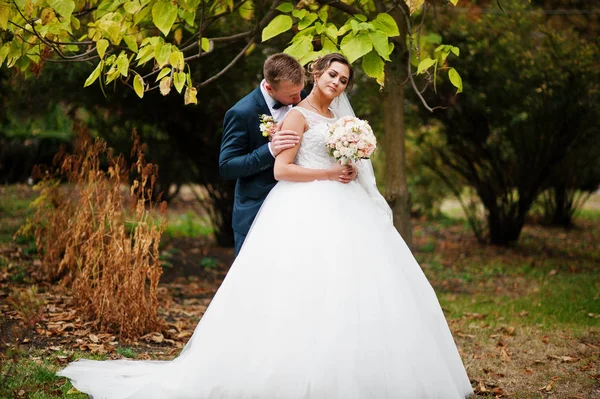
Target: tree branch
[[341, 6], [231, 64], [409, 65]]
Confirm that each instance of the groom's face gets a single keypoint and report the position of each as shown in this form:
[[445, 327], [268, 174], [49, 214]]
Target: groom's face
[[285, 92]]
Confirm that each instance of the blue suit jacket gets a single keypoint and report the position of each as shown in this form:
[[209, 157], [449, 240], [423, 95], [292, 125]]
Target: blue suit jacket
[[245, 156]]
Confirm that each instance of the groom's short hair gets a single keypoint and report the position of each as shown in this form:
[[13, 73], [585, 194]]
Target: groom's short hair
[[282, 67]]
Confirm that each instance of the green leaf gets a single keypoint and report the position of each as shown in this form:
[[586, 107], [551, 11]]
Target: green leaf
[[205, 45], [455, 79], [94, 75], [63, 7], [381, 44], [246, 10], [374, 66], [279, 24], [286, 7], [162, 52], [131, 43], [329, 46], [4, 15], [133, 6], [176, 60], [164, 14], [101, 46], [425, 64], [331, 31], [355, 26], [138, 85], [300, 48], [455, 51], [385, 23], [360, 17], [299, 13], [164, 72], [4, 52], [455, 2], [179, 81], [75, 22], [138, 17], [307, 20], [345, 28], [122, 64], [188, 17], [323, 15], [356, 46], [145, 54], [319, 28]]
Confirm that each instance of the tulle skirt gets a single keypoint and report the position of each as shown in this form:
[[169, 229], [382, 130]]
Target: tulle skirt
[[324, 300]]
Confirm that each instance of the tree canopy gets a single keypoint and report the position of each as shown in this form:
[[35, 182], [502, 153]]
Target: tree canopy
[[151, 44]]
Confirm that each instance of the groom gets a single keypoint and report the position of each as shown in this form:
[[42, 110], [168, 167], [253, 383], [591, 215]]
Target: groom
[[245, 154]]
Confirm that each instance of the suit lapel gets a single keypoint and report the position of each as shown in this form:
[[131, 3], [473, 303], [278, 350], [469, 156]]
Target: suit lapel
[[261, 108], [261, 104]]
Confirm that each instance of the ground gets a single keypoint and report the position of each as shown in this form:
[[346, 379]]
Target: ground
[[526, 319]]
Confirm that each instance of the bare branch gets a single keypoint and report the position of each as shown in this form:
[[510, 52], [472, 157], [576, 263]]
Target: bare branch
[[341, 6], [409, 65], [231, 64]]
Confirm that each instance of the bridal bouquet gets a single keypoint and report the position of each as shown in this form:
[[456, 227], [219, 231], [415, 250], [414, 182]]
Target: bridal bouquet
[[268, 125], [351, 139]]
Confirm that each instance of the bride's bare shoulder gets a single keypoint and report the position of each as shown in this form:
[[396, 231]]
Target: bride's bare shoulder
[[294, 120]]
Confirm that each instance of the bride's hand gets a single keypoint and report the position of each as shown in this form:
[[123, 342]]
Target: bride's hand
[[339, 172], [349, 174]]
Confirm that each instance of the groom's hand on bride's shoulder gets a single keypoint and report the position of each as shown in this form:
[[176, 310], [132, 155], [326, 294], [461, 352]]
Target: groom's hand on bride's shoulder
[[282, 140]]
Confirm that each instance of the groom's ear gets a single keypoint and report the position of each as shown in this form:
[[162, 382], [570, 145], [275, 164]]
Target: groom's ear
[[269, 88]]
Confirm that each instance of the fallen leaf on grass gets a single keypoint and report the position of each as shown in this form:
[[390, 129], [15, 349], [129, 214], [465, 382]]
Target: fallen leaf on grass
[[504, 355], [528, 371], [97, 349], [564, 359], [482, 388], [587, 367], [550, 385], [546, 339], [153, 337], [474, 315]]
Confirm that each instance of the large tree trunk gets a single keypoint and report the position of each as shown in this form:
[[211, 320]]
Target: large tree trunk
[[396, 185]]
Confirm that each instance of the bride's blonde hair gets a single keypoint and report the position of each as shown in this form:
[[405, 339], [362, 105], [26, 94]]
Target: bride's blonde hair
[[320, 65]]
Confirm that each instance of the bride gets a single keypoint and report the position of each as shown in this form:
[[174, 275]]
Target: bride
[[324, 300]]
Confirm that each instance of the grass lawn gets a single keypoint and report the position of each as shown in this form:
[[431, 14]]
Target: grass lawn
[[526, 319]]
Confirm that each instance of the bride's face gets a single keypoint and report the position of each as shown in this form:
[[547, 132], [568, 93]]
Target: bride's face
[[334, 80]]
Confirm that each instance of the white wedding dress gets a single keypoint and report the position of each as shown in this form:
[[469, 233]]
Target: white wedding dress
[[324, 300]]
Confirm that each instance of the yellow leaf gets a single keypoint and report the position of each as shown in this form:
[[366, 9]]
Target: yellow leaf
[[101, 47], [4, 14], [178, 35], [190, 95], [165, 86], [138, 86]]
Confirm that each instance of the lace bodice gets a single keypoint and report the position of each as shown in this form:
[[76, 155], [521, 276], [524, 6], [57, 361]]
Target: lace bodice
[[312, 152]]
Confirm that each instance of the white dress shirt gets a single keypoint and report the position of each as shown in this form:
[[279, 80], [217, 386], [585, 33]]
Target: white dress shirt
[[277, 114]]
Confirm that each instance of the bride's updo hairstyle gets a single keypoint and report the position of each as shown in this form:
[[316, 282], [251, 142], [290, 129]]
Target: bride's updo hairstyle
[[320, 65]]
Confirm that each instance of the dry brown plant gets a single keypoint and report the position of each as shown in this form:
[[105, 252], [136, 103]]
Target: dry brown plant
[[107, 256]]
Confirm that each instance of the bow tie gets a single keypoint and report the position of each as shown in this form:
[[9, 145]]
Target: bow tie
[[278, 105]]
